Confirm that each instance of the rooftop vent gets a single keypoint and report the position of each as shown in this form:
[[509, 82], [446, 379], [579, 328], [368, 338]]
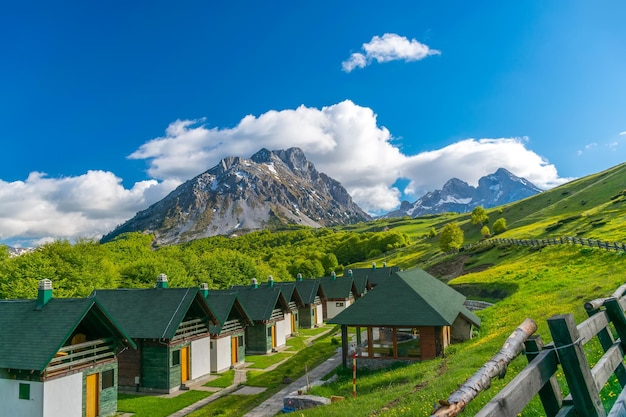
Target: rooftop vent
[[299, 277], [255, 283], [44, 293], [270, 281], [349, 272], [333, 275], [373, 265], [161, 281], [204, 289]]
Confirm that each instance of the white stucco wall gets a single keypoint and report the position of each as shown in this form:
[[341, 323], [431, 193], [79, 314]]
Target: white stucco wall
[[200, 357], [220, 354], [63, 397], [10, 403], [320, 314], [282, 329], [288, 326], [332, 310]]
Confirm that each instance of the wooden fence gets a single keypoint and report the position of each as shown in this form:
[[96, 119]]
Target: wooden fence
[[593, 243], [584, 382]]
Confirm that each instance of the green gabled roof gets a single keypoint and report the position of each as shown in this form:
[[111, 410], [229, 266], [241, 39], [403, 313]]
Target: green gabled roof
[[30, 338], [309, 289], [374, 276], [259, 302], [290, 292], [153, 313], [225, 304], [407, 298], [338, 288], [360, 281]]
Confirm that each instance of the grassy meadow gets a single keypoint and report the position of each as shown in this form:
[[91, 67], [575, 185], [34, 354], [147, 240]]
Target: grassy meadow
[[534, 282]]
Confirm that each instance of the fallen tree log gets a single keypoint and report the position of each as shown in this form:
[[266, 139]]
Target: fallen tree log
[[495, 367]]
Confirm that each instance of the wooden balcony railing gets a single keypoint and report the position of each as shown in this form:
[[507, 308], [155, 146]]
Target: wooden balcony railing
[[191, 328], [80, 355]]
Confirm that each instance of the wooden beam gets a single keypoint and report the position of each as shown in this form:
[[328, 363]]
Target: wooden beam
[[344, 345], [550, 393], [606, 341], [576, 369]]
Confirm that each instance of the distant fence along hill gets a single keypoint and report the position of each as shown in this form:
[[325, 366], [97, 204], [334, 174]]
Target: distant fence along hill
[[593, 243]]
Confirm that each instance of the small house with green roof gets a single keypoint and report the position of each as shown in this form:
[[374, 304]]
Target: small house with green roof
[[228, 347], [311, 314], [171, 329], [340, 293], [409, 316], [58, 357], [294, 301], [267, 307]]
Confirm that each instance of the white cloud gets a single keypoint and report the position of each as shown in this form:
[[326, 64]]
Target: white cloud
[[344, 141], [389, 47], [41, 209], [622, 133], [471, 159]]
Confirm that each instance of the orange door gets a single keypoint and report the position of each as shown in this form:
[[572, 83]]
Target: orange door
[[315, 316], [273, 336], [92, 399], [234, 350], [184, 364], [293, 323]]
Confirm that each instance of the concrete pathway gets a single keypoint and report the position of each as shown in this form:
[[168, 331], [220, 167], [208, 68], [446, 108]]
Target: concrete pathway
[[274, 404]]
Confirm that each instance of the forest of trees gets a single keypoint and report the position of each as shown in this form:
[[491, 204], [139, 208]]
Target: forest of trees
[[131, 261]]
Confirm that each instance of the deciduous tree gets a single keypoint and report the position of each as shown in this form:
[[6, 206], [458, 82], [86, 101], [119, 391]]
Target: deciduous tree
[[451, 237]]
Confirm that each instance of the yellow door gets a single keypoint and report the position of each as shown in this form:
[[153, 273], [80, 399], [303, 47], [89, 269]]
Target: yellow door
[[315, 316], [273, 336], [184, 364], [92, 399], [234, 350], [293, 323]]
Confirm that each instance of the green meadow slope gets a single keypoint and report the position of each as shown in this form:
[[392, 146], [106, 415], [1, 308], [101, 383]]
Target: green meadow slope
[[535, 282]]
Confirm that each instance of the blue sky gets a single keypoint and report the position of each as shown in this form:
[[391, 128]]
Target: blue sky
[[105, 108]]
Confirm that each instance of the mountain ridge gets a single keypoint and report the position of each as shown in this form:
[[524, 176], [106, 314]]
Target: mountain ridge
[[268, 190], [501, 187]]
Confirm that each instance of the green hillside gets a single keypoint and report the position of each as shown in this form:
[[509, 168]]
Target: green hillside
[[534, 282]]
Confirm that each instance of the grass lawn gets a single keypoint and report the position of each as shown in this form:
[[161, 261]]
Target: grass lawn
[[224, 380], [265, 361], [151, 406], [239, 405]]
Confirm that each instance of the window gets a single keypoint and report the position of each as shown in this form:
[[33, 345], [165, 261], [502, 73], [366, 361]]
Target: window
[[107, 379], [24, 391], [269, 332], [176, 357], [240, 341], [338, 304]]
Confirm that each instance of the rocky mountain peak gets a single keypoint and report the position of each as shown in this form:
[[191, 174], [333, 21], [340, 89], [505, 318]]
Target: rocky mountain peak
[[501, 187], [271, 189]]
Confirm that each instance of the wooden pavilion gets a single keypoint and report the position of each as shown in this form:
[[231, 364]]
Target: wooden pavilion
[[411, 315]]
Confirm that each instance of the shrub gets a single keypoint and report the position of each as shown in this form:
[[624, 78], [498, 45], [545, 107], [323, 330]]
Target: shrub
[[499, 226]]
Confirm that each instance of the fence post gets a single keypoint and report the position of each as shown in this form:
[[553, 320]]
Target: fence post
[[550, 393], [616, 314], [606, 341], [576, 368]]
